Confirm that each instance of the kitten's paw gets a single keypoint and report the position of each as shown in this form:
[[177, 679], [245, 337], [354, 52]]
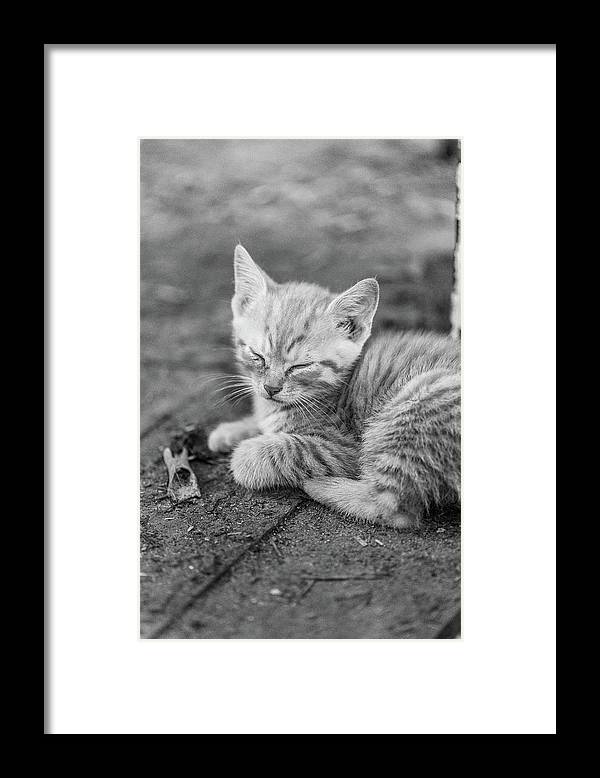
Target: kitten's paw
[[252, 466], [226, 436]]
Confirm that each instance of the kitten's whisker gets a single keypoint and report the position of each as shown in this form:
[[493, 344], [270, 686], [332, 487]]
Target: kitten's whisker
[[237, 401], [237, 394], [215, 377], [306, 410], [298, 405], [313, 403], [327, 406], [323, 410], [234, 392], [232, 381], [232, 385]]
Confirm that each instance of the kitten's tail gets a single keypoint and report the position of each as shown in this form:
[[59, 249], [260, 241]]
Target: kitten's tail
[[360, 499]]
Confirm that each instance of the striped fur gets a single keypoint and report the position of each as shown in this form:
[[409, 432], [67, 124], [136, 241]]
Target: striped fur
[[368, 427]]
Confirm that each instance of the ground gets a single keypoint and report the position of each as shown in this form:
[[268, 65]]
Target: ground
[[236, 564]]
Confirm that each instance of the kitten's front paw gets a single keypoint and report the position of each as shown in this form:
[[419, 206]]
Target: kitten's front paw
[[252, 466], [227, 435]]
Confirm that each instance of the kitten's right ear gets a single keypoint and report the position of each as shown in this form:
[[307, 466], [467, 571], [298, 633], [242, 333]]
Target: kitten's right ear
[[250, 281]]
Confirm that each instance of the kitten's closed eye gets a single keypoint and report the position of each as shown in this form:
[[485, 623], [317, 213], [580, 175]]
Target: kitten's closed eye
[[299, 367], [257, 358]]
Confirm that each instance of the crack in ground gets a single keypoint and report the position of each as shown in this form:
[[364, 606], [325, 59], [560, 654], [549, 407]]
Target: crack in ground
[[199, 591]]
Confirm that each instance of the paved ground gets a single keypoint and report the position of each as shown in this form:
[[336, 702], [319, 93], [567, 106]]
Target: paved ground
[[233, 564]]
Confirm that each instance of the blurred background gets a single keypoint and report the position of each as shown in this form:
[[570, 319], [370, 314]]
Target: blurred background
[[326, 211]]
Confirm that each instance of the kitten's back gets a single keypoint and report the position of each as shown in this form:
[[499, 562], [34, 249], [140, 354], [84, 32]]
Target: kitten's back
[[388, 362]]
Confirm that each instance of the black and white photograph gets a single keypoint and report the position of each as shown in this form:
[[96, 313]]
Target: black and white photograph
[[300, 398], [300, 388]]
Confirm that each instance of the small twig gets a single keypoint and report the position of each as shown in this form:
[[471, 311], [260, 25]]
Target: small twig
[[277, 551]]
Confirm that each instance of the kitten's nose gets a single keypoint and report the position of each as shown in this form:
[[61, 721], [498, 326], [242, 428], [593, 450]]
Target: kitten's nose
[[271, 390]]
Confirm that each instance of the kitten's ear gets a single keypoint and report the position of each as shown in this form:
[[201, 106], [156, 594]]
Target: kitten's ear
[[250, 281], [354, 309]]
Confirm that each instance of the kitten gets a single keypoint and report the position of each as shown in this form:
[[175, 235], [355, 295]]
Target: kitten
[[371, 429]]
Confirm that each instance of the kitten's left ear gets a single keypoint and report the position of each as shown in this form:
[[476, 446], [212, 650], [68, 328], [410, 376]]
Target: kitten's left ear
[[251, 282], [354, 309]]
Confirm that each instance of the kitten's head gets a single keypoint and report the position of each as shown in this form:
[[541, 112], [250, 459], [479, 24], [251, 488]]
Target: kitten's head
[[297, 341]]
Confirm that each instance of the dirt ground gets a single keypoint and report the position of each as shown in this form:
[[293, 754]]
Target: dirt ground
[[232, 564], [236, 564]]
